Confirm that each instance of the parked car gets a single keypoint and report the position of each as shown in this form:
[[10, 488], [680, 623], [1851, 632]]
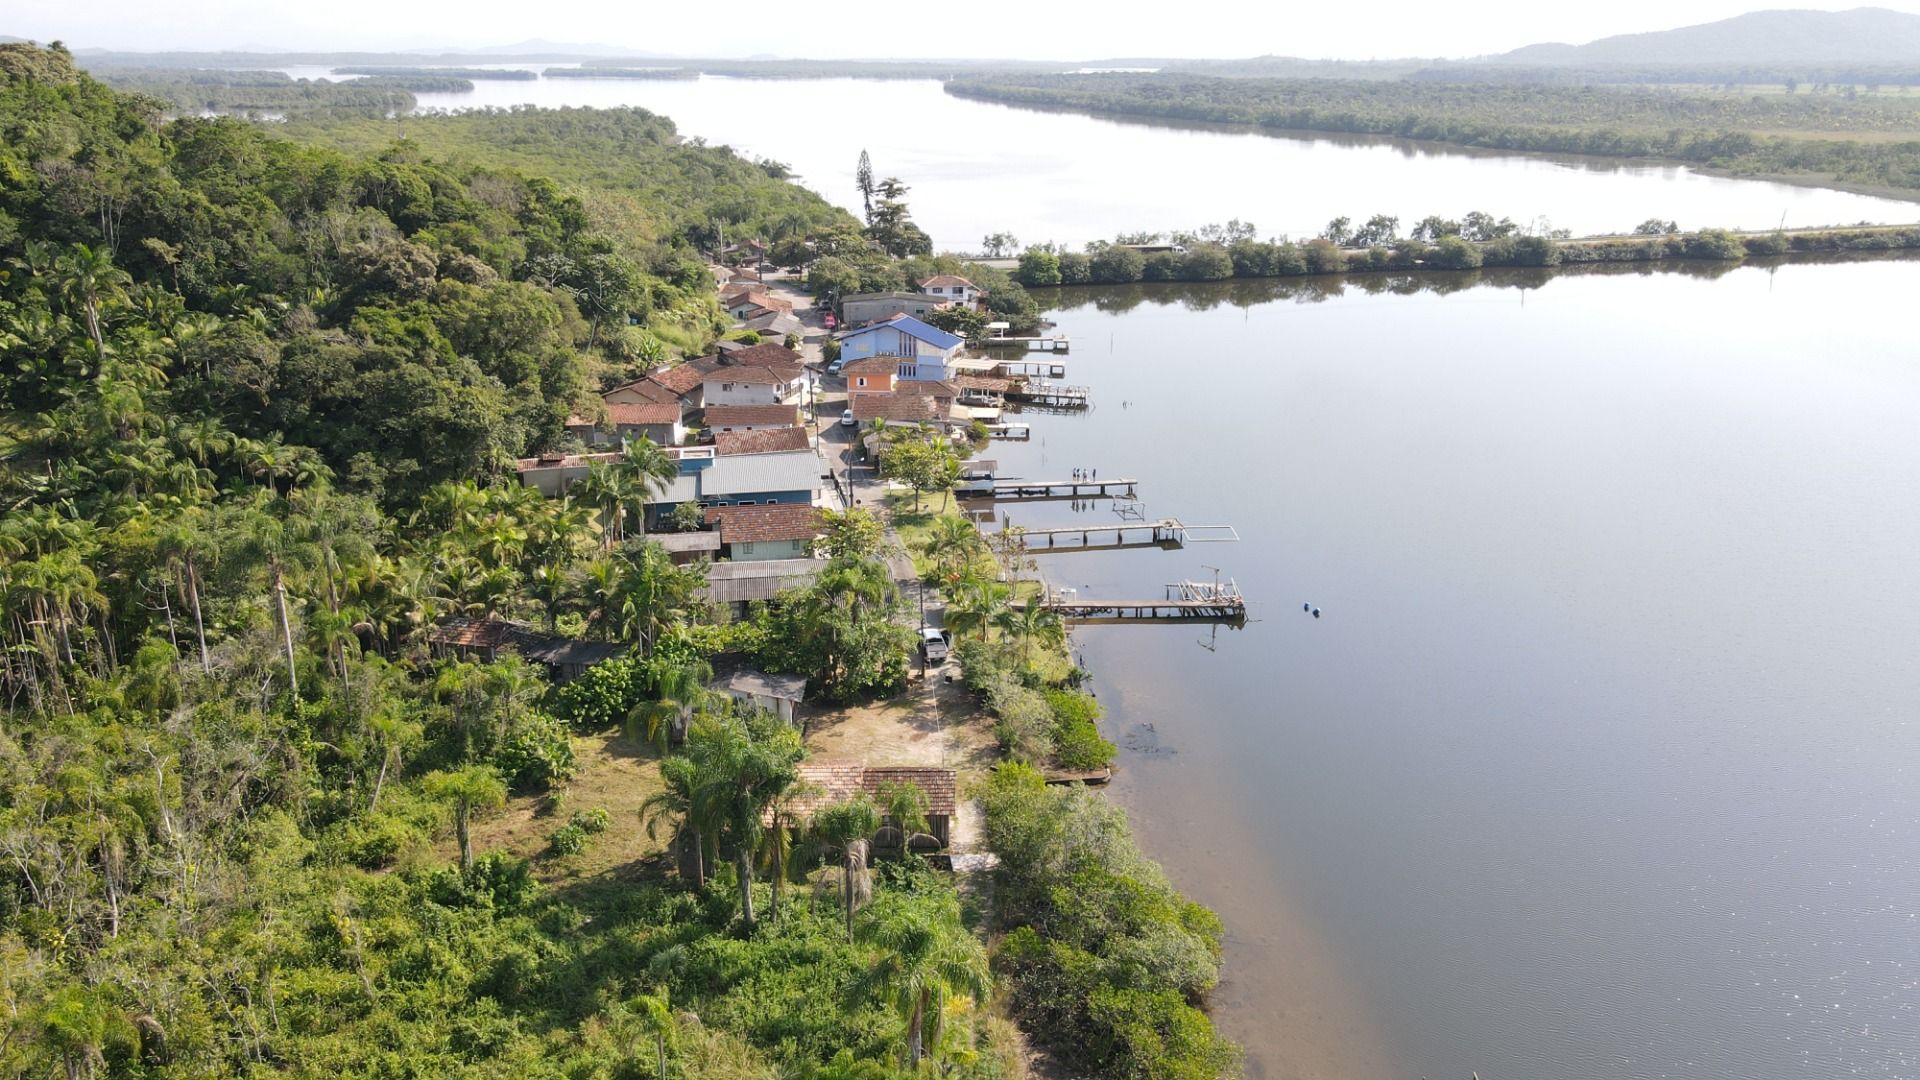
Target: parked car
[[846, 418], [834, 368], [936, 643]]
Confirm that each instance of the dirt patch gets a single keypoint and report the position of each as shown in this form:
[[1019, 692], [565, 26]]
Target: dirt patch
[[616, 773], [935, 722]]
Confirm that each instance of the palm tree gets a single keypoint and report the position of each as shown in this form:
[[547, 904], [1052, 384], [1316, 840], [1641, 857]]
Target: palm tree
[[647, 1016], [846, 828], [740, 773], [651, 471], [475, 787], [981, 605], [681, 690], [652, 593], [1032, 624], [675, 804], [905, 805], [952, 544], [86, 278], [925, 957], [611, 489]]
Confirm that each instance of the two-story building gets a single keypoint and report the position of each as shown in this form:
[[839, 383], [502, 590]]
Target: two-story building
[[764, 374], [871, 375], [952, 288], [705, 478], [923, 351]]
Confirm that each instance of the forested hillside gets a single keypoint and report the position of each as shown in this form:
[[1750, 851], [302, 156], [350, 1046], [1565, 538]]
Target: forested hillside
[[258, 399]]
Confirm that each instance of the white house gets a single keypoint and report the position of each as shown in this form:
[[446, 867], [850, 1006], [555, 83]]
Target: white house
[[775, 531], [765, 374], [952, 287]]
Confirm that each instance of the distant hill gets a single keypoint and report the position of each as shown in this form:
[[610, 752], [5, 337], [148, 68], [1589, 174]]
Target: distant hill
[[1859, 36]]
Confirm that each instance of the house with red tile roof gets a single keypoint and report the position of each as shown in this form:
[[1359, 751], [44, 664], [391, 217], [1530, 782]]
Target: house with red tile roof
[[760, 441], [629, 420], [739, 418], [831, 783], [779, 531], [952, 287]]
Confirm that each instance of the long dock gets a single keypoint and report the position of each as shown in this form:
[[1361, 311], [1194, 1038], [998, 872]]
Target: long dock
[[1056, 343], [1013, 490], [1051, 394], [1030, 369], [1169, 533], [1185, 602]]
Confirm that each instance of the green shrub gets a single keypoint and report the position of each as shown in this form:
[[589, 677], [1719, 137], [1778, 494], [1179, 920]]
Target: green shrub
[[602, 696], [593, 821], [538, 752], [568, 839]]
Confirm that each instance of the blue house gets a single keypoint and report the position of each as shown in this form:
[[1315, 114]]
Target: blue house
[[923, 350]]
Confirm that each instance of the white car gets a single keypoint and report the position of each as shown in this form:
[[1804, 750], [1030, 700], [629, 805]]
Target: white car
[[846, 419], [834, 368], [936, 643]]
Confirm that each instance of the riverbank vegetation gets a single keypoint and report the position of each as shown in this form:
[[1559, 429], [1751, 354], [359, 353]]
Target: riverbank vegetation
[[1220, 253], [258, 403], [274, 93], [1860, 140]]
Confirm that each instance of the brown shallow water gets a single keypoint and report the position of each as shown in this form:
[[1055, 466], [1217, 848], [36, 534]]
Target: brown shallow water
[[1602, 758]]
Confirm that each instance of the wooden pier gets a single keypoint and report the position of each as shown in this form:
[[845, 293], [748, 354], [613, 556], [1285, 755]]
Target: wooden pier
[[1015, 490], [1169, 533], [1056, 343], [1185, 602], [1050, 394], [1029, 369]]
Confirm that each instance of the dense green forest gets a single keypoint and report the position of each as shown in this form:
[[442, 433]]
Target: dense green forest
[[261, 93], [258, 401], [256, 397], [1866, 140]]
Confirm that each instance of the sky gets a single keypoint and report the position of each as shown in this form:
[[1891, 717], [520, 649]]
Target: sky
[[1000, 29]]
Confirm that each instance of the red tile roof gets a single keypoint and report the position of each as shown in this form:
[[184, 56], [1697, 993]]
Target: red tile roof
[[768, 353], [752, 374], [719, 416], [947, 281], [650, 413], [764, 524], [868, 364], [982, 382], [898, 407], [764, 441], [681, 380], [825, 784]]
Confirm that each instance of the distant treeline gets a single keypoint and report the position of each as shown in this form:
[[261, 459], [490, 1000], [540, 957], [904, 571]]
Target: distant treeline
[[514, 74], [1840, 78], [1111, 264], [1722, 131], [620, 73], [1247, 292], [251, 92]]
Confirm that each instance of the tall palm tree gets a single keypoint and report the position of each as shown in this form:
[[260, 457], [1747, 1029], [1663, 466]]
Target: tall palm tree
[[924, 958], [741, 772], [680, 690], [845, 828], [651, 471], [467, 790]]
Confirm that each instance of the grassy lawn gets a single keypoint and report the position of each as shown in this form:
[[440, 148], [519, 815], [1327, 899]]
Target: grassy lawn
[[616, 773]]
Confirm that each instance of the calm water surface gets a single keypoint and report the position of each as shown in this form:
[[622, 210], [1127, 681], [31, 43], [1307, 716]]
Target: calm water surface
[[977, 168], [1602, 758]]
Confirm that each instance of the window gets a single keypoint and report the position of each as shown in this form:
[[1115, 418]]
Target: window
[[746, 549], [726, 386], [936, 290]]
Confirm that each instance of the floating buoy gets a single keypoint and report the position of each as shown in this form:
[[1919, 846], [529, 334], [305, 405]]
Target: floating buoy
[[1306, 607], [1316, 613]]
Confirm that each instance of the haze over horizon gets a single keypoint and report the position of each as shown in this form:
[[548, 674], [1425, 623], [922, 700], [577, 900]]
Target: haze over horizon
[[991, 29]]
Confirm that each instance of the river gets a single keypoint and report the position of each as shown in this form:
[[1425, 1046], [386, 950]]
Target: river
[[1600, 760], [977, 168]]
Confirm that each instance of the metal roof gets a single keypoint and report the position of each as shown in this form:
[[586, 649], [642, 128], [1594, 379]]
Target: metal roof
[[760, 684], [683, 542], [750, 474], [912, 327], [738, 582]]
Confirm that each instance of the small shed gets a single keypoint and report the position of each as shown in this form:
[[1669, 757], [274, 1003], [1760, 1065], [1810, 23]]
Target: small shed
[[489, 638], [688, 547], [780, 695]]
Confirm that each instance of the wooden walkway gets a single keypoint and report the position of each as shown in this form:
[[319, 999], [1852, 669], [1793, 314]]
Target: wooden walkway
[[1030, 369], [1057, 343], [1169, 533], [1014, 490], [1148, 611], [1052, 395]]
